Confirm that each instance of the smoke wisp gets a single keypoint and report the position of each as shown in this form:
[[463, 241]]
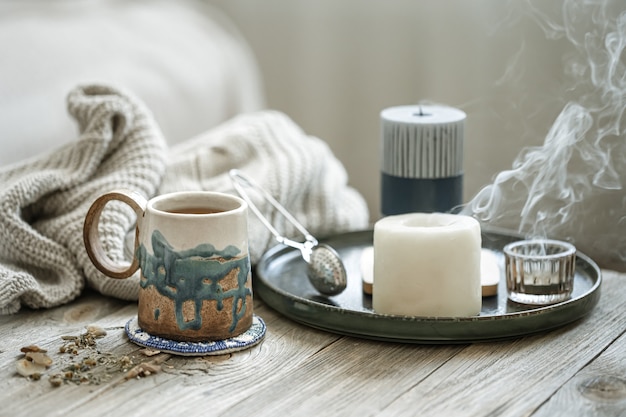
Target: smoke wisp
[[572, 186]]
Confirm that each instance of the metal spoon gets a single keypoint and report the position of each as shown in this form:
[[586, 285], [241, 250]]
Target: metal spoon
[[325, 269]]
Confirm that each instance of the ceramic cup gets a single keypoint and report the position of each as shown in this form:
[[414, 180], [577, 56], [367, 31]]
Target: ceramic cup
[[192, 250]]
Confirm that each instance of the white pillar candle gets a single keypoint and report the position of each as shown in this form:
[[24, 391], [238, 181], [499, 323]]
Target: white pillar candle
[[427, 264]]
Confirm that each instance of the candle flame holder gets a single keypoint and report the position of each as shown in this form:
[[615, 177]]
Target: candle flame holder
[[539, 271]]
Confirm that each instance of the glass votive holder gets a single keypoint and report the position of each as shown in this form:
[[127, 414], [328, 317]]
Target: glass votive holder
[[539, 271]]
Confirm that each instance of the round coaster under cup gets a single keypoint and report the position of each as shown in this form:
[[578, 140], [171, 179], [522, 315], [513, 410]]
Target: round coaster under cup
[[247, 339]]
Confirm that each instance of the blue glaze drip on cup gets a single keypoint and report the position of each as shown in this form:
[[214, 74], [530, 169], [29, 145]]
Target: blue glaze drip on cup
[[196, 275]]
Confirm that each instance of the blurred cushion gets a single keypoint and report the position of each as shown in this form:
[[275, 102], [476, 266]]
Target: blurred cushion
[[184, 59]]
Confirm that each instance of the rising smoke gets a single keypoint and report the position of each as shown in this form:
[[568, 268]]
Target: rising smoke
[[572, 187]]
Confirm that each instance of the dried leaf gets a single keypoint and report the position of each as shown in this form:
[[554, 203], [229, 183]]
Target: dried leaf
[[56, 380], [143, 369], [125, 362], [147, 368], [91, 362], [150, 352], [150, 367], [39, 358], [32, 348], [28, 368], [96, 331]]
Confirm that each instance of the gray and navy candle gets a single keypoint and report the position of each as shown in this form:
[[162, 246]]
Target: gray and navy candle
[[421, 159]]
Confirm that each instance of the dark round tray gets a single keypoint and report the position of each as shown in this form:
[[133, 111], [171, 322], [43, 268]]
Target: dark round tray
[[281, 281]]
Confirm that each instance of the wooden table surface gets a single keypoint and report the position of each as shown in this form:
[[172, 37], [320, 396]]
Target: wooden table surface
[[576, 370]]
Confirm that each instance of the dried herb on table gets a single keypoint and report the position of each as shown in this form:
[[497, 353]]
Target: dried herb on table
[[87, 365]]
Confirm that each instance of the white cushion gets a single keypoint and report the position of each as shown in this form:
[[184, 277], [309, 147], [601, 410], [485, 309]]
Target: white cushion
[[184, 59]]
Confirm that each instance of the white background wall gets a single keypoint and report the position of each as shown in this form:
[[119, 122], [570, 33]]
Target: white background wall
[[332, 66]]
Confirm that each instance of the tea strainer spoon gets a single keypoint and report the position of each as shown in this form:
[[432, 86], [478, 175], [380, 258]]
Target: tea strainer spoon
[[325, 270]]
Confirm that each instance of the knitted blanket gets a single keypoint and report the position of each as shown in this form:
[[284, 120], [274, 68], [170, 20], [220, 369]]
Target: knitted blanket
[[43, 201]]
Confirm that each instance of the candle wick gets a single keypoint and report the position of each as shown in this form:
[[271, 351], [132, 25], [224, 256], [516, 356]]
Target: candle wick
[[421, 112]]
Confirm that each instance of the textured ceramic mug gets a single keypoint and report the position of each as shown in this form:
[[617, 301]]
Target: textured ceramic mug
[[192, 250]]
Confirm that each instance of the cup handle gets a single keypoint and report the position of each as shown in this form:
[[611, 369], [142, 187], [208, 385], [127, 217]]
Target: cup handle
[[91, 236]]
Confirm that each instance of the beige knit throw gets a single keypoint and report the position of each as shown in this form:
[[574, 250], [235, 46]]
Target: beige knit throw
[[43, 201]]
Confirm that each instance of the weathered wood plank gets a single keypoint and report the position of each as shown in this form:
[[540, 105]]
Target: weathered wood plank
[[350, 377], [21, 396], [36, 326], [286, 345], [303, 371], [515, 378], [599, 389], [192, 384]]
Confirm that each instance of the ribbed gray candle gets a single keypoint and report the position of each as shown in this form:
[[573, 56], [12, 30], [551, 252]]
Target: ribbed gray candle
[[421, 159]]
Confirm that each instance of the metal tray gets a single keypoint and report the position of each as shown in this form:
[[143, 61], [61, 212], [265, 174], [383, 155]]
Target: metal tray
[[281, 282]]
